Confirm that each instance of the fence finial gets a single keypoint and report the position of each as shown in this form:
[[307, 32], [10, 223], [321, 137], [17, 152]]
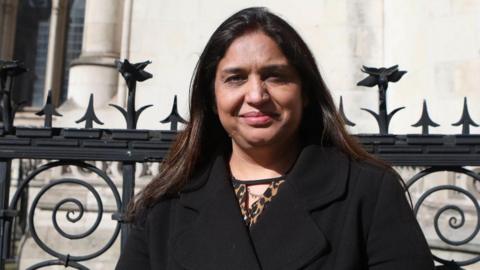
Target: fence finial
[[174, 116], [49, 111], [425, 121], [342, 114], [132, 73], [89, 117], [9, 70], [465, 121], [381, 77]]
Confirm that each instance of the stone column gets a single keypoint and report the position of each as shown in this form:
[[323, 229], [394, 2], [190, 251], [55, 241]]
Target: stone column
[[125, 50], [56, 48], [8, 15], [94, 71]]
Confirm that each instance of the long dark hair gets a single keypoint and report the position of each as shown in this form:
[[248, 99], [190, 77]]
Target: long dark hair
[[204, 135]]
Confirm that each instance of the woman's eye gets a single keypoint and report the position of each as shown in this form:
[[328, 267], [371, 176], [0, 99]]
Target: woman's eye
[[277, 78], [234, 79]]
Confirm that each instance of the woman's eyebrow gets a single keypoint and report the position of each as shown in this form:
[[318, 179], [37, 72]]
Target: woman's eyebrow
[[268, 68], [232, 70], [276, 68]]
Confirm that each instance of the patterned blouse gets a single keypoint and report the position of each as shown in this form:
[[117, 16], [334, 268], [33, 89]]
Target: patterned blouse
[[250, 215]]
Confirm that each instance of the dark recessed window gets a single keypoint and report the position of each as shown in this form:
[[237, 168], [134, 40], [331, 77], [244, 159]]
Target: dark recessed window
[[31, 47], [32, 43]]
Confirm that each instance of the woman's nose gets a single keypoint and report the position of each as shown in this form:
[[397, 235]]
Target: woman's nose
[[257, 92]]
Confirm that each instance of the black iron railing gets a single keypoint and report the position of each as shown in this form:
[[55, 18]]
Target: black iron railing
[[73, 146]]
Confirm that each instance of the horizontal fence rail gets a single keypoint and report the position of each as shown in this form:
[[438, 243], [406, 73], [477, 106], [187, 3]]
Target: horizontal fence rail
[[74, 146], [150, 145]]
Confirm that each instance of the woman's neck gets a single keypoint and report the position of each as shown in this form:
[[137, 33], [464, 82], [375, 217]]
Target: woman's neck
[[258, 163]]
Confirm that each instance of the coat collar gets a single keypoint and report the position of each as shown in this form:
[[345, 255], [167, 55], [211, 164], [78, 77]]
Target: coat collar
[[320, 175], [285, 237]]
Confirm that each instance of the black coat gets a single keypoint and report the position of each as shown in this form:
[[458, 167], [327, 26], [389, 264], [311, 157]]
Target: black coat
[[331, 213]]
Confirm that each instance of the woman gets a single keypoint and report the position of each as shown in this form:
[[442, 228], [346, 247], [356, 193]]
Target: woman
[[264, 176]]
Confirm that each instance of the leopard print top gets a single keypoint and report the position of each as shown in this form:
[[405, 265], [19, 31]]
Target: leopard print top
[[250, 215]]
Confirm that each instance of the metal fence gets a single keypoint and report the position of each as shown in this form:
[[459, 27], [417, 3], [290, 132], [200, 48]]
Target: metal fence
[[75, 146]]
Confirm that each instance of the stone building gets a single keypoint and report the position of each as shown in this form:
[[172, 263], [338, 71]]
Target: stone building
[[70, 47]]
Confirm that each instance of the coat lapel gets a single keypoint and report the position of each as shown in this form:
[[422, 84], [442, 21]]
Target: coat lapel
[[217, 237], [286, 236]]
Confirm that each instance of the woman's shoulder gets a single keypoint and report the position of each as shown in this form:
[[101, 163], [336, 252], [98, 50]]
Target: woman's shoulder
[[373, 177], [373, 168], [161, 209], [369, 168]]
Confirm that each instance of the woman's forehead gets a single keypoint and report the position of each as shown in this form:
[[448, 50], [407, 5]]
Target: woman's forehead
[[253, 48]]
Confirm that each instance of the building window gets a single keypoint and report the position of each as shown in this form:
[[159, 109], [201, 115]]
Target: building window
[[31, 47]]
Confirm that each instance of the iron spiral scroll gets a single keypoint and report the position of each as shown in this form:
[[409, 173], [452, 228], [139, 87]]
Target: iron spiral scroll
[[454, 222], [72, 216]]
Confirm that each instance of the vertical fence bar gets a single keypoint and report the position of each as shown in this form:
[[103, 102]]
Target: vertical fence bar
[[19, 225], [128, 170], [5, 166]]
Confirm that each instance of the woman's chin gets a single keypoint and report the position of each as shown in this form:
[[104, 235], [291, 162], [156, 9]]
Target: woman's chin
[[258, 142]]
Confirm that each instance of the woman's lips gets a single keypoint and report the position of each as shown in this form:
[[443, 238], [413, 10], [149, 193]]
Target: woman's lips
[[258, 118]]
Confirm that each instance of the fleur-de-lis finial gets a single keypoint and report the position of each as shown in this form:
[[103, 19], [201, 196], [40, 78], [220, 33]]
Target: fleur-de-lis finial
[[9, 70], [381, 77], [132, 73]]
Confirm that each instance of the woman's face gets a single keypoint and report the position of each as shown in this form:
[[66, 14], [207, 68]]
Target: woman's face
[[258, 94]]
